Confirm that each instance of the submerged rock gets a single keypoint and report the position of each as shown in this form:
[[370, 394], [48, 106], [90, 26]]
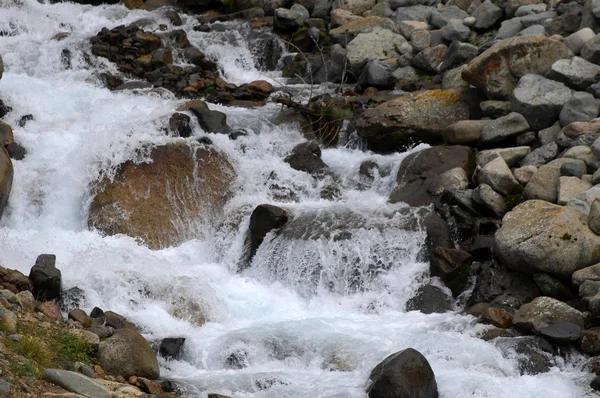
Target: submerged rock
[[162, 202]]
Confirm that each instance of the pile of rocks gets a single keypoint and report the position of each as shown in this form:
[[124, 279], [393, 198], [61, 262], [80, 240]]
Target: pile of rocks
[[150, 56], [122, 363]]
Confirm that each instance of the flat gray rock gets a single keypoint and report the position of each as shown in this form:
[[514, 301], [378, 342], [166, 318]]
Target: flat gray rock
[[76, 383]]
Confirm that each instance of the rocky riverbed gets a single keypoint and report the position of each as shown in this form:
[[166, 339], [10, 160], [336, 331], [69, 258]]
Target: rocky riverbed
[[281, 176]]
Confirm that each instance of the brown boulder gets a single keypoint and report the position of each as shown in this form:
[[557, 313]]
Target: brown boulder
[[51, 310], [162, 202], [6, 134], [419, 116], [590, 341], [15, 281], [497, 70], [419, 171], [498, 317]]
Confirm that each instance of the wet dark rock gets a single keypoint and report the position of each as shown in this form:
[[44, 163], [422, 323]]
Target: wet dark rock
[[174, 17], [179, 125], [419, 171], [170, 347], [533, 354], [452, 266], [552, 287], [430, 299], [71, 298], [306, 157], [402, 375], [4, 109], [46, 278], [263, 220], [561, 332], [493, 280], [211, 121], [24, 119]]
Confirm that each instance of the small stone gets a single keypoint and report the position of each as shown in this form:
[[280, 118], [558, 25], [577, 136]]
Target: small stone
[[26, 300], [581, 107], [4, 388], [498, 317], [76, 383], [80, 316], [171, 347], [495, 109], [512, 156], [569, 188], [541, 155], [504, 127], [179, 125], [577, 40], [490, 201], [524, 174], [51, 310], [497, 175]]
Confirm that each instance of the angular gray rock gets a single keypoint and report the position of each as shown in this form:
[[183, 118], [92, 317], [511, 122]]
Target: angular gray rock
[[491, 202], [497, 175], [509, 28], [576, 72], [512, 156], [581, 107], [533, 30], [541, 155], [413, 13], [504, 127], [576, 40], [537, 236], [583, 152], [430, 59], [569, 188], [550, 134], [291, 19], [487, 15], [591, 273], [378, 44], [539, 100], [530, 9], [377, 74], [440, 17], [591, 50], [544, 183], [456, 31], [75, 383], [458, 54]]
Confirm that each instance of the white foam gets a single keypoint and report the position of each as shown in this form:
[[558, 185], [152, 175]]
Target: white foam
[[290, 339]]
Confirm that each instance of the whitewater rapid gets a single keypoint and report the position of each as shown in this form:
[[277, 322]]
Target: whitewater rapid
[[293, 339]]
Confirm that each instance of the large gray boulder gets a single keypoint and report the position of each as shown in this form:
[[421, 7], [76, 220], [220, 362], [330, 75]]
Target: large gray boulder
[[539, 100], [577, 40], [126, 353], [497, 70], [413, 13], [378, 44], [537, 236], [504, 127], [405, 374], [576, 72]]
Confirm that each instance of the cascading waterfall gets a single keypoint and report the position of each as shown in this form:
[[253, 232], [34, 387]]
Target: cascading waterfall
[[310, 317]]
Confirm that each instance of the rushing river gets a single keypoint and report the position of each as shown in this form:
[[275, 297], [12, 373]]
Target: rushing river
[[278, 329]]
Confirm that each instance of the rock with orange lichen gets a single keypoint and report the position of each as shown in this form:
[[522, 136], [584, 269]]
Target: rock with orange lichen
[[538, 236], [419, 116], [497, 70]]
